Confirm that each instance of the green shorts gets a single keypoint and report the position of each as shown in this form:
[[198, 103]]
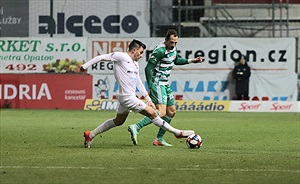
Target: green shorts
[[162, 95]]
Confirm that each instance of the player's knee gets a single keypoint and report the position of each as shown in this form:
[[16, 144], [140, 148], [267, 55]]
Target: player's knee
[[150, 113], [153, 114], [171, 113], [118, 121]]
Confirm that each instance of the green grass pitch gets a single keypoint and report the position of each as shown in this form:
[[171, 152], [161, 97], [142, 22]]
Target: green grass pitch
[[46, 146]]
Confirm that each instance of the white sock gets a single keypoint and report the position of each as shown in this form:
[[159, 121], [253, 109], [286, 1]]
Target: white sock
[[164, 125], [108, 124]]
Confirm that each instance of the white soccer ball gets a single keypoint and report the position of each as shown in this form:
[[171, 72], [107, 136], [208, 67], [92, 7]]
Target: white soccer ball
[[194, 141]]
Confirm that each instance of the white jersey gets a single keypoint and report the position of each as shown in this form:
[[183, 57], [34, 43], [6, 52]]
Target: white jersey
[[126, 72]]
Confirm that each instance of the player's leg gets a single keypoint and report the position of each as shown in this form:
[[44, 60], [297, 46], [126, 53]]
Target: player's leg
[[142, 123], [120, 118], [159, 140], [108, 124], [156, 94], [156, 119], [135, 128], [138, 106], [132, 129], [170, 113]]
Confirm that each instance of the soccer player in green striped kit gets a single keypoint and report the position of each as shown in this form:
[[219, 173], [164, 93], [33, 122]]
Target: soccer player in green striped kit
[[158, 69]]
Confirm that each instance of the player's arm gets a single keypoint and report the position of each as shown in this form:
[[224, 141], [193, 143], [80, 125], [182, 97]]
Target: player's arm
[[143, 91], [155, 57], [196, 60], [182, 61], [148, 72], [100, 58]]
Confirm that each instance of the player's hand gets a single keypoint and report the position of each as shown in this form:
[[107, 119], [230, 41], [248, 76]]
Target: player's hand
[[198, 60], [151, 104], [82, 69]]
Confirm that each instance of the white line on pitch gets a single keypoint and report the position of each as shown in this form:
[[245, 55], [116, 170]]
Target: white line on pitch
[[197, 168]]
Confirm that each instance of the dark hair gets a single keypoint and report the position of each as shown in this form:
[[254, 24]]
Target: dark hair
[[136, 44], [171, 32]]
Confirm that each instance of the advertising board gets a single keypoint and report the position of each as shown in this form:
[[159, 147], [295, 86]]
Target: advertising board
[[107, 19], [45, 91], [42, 55], [14, 19]]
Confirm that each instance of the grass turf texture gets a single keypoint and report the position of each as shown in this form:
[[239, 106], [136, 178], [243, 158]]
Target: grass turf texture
[[46, 146]]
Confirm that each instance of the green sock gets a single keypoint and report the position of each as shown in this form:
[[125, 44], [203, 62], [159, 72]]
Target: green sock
[[143, 122], [161, 131]]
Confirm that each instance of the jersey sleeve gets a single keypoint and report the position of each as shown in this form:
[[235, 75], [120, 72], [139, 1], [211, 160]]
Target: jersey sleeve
[[116, 56], [100, 58], [180, 61], [141, 87], [156, 56]]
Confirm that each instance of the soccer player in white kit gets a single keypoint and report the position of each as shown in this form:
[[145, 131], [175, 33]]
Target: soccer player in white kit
[[126, 72]]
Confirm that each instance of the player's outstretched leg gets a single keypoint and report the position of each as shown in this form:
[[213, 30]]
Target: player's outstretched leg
[[164, 125]]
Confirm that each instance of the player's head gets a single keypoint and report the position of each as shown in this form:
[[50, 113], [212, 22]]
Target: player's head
[[136, 49], [171, 39]]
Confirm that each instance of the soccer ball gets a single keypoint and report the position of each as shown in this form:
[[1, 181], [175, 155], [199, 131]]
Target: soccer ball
[[194, 141]]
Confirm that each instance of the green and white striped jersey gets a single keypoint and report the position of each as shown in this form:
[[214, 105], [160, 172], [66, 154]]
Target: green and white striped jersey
[[163, 60]]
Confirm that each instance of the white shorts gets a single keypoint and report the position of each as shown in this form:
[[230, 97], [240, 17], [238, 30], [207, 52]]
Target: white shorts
[[130, 103]]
